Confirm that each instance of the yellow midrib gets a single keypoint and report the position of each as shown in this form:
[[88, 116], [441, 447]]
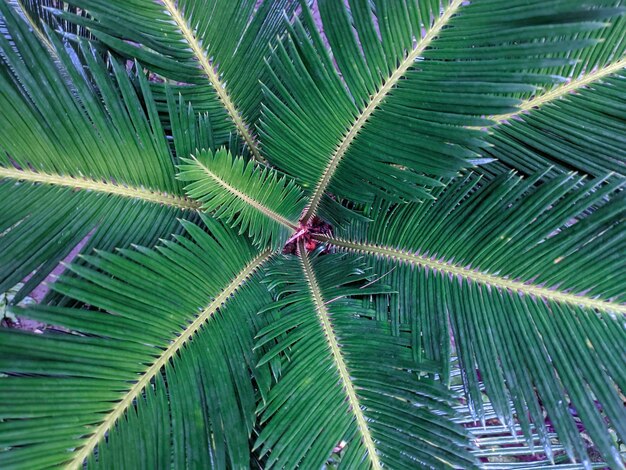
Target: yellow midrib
[[36, 28], [475, 276], [99, 186], [324, 318], [173, 348], [214, 78], [247, 199], [378, 97], [563, 90]]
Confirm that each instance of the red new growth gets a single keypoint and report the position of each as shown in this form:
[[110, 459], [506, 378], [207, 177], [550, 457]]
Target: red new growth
[[314, 226]]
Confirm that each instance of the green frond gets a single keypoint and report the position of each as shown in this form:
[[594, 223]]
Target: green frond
[[255, 199], [598, 60], [587, 65], [41, 224], [346, 381], [196, 119], [79, 155], [582, 131], [399, 109], [530, 277], [129, 365], [202, 43], [36, 97], [37, 14], [575, 124]]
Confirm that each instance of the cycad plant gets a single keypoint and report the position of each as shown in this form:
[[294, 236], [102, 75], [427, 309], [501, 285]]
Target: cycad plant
[[301, 224]]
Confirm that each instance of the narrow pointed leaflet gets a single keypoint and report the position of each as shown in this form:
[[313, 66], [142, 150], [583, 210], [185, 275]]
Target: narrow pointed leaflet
[[213, 77], [373, 104], [255, 199], [85, 184], [346, 381], [82, 152], [338, 379], [504, 258], [35, 26], [515, 267], [309, 230], [203, 44], [402, 102], [575, 124], [564, 89], [474, 275], [163, 358]]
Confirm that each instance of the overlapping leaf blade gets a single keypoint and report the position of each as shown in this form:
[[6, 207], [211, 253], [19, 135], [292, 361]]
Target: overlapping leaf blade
[[200, 43], [347, 382], [79, 156], [527, 275], [151, 356], [197, 120], [38, 16], [582, 132], [45, 223], [406, 105], [531, 280], [575, 124], [255, 199]]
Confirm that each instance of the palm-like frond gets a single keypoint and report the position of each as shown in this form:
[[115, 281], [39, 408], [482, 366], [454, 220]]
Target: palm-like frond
[[261, 204], [200, 43], [34, 14], [576, 124], [347, 382], [581, 132], [79, 154], [195, 118], [401, 113], [38, 15], [149, 358], [530, 277]]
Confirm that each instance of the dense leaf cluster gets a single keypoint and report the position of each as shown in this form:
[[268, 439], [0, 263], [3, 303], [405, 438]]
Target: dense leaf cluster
[[352, 234]]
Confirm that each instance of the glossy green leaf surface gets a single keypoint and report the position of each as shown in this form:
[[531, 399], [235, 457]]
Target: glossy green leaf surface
[[529, 277], [285, 260], [255, 199], [147, 359], [79, 156]]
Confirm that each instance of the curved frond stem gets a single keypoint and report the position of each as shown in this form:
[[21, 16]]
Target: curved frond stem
[[214, 78], [348, 387], [35, 27], [145, 378], [247, 199], [99, 186], [473, 275], [563, 90], [373, 104]]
